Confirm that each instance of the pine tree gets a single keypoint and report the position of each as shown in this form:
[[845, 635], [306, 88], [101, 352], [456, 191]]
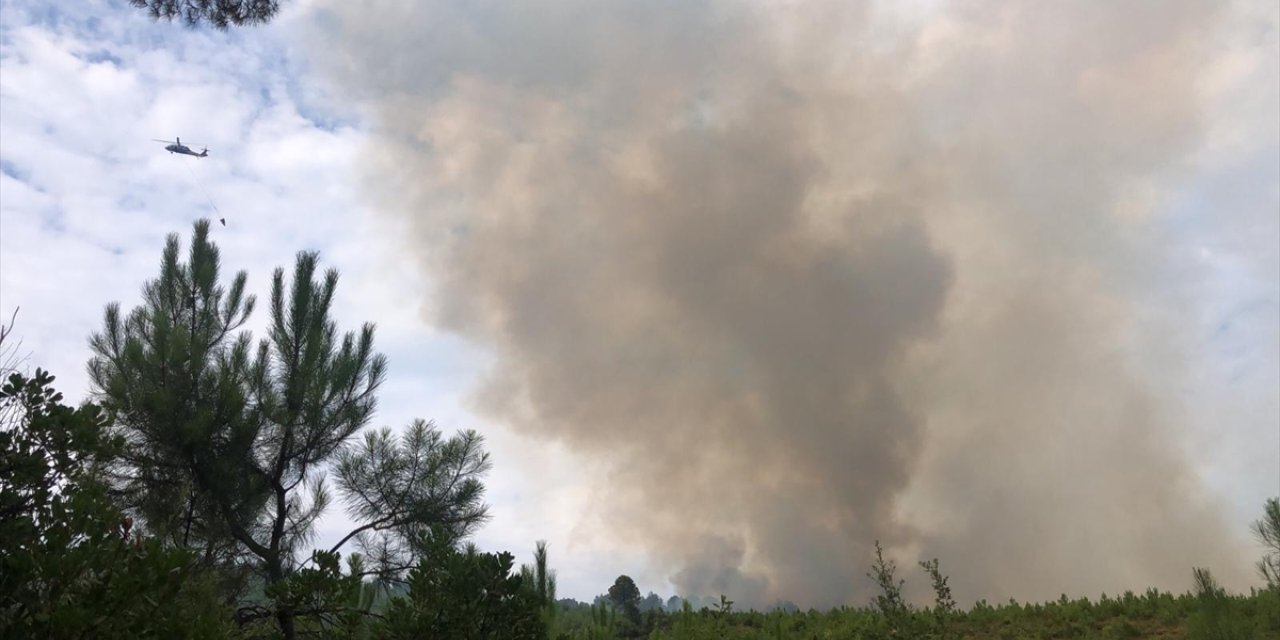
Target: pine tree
[[542, 581], [218, 13], [173, 375], [1268, 532], [227, 446]]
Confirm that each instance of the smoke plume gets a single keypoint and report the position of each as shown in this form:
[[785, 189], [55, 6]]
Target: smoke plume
[[811, 275]]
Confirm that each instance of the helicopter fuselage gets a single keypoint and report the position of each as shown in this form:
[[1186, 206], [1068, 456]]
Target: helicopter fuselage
[[182, 148]]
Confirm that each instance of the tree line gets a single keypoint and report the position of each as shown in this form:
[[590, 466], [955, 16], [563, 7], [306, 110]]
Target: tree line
[[185, 495]]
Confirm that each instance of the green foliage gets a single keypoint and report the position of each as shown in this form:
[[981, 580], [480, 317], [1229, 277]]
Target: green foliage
[[72, 565], [604, 617], [172, 374], [1214, 618], [651, 602], [1268, 532], [624, 596], [325, 601], [604, 622], [1209, 613], [889, 601], [1153, 615], [218, 13], [675, 603], [226, 445], [582, 621], [542, 581], [944, 605], [725, 606], [463, 595], [404, 489]]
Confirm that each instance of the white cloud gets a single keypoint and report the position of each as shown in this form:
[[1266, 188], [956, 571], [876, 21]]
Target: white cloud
[[86, 199]]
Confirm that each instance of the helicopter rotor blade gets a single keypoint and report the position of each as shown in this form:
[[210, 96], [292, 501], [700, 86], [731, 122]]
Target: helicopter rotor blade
[[159, 140]]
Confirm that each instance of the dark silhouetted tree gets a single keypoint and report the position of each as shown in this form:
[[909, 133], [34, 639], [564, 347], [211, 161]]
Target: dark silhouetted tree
[[220, 14], [651, 602], [624, 596]]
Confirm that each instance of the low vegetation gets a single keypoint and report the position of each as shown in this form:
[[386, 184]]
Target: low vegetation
[[1152, 614]]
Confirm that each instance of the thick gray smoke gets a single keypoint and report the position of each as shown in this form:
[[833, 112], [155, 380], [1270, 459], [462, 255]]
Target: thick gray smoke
[[812, 275]]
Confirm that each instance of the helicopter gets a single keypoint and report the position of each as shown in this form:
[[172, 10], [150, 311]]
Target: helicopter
[[176, 146]]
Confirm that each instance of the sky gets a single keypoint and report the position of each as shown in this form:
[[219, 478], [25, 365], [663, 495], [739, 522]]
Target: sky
[[732, 290]]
